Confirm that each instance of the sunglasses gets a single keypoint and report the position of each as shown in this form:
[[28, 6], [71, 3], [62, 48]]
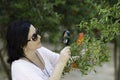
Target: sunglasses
[[34, 36]]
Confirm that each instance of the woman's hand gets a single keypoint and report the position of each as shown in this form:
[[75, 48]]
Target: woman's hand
[[64, 55]]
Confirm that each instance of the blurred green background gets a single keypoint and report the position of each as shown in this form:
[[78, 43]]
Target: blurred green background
[[52, 17]]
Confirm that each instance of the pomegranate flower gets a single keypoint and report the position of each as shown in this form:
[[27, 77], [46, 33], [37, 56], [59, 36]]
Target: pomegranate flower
[[80, 39]]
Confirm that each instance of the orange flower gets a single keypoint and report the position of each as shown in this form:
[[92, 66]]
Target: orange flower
[[80, 39], [74, 65]]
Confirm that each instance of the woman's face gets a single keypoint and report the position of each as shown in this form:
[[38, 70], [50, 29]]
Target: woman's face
[[33, 39]]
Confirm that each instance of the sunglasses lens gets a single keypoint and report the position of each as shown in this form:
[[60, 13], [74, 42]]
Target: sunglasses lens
[[34, 37]]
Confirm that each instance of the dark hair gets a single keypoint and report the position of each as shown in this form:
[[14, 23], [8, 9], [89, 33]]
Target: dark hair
[[17, 36]]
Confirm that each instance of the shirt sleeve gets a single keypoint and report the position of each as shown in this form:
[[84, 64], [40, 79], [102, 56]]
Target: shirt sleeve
[[52, 56]]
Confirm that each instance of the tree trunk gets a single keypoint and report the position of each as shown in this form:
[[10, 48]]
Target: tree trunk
[[5, 66], [115, 59], [119, 64]]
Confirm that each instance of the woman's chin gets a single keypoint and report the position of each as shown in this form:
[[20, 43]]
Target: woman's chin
[[39, 46]]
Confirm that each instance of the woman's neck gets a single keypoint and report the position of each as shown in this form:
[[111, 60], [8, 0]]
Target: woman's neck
[[34, 58], [30, 54]]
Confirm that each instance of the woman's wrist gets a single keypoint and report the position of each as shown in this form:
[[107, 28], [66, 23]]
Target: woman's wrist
[[57, 71], [60, 63]]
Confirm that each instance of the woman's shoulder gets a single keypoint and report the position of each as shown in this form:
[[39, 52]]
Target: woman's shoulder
[[19, 63], [23, 69], [23, 66]]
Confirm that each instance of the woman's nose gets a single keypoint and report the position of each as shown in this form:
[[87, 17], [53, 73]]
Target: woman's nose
[[39, 36]]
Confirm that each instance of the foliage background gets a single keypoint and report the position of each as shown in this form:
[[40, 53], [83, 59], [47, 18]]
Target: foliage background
[[52, 17]]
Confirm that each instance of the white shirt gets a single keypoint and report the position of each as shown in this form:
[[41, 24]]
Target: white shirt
[[24, 70]]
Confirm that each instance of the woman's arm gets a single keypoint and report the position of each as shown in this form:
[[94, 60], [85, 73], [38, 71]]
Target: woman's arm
[[64, 57]]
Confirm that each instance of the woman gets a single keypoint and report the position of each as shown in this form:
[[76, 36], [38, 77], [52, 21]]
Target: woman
[[28, 58]]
